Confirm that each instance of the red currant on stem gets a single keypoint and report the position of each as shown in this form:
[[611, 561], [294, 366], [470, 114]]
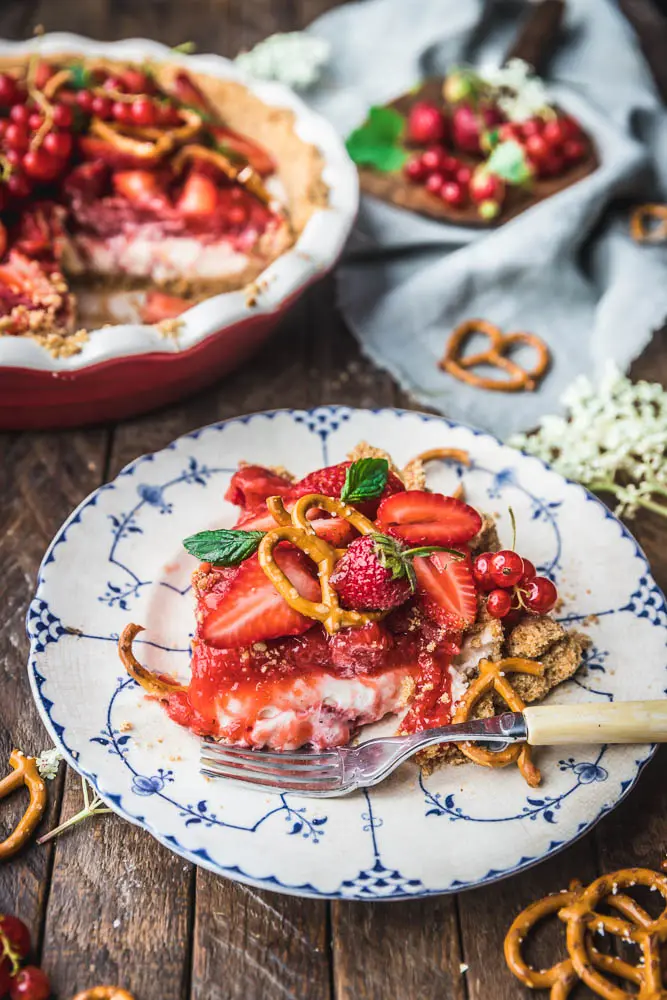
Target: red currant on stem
[[5, 977], [35, 121], [58, 144], [499, 603], [122, 112], [20, 114], [431, 159], [529, 571], [18, 184], [506, 568], [481, 571], [102, 107], [537, 148], [434, 183], [540, 595], [16, 137], [144, 111], [453, 194], [40, 164], [84, 99], [532, 127], [9, 91], [62, 116], [16, 934], [414, 170], [30, 983]]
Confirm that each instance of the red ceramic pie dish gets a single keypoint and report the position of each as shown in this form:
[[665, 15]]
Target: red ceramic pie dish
[[126, 369]]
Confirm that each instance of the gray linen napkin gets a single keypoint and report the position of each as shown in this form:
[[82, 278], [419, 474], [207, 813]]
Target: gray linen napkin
[[566, 269]]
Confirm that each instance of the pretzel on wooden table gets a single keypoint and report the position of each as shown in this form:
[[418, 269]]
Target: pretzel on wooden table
[[24, 772], [104, 993]]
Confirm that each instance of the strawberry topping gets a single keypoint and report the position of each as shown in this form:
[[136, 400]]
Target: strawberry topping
[[447, 589], [428, 518], [252, 484]]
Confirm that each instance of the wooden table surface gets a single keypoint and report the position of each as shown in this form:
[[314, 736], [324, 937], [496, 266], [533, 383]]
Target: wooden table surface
[[106, 902]]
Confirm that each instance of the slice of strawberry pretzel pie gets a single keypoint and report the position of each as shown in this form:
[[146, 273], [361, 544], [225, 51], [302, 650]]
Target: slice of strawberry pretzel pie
[[349, 595]]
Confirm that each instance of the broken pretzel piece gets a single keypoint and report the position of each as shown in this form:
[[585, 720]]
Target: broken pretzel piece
[[648, 224], [24, 773]]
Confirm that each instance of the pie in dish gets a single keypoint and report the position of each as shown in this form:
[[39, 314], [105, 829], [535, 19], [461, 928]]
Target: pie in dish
[[136, 177], [352, 594]]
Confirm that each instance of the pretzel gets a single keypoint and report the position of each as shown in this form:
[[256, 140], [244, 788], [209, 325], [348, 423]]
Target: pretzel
[[519, 379], [641, 232], [24, 773], [580, 916], [104, 993], [576, 908], [302, 534], [155, 684], [492, 677], [146, 149], [444, 455]]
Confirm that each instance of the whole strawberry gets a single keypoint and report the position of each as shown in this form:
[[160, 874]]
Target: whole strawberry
[[373, 574]]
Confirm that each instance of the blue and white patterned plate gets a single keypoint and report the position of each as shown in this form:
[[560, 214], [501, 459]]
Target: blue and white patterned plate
[[118, 558]]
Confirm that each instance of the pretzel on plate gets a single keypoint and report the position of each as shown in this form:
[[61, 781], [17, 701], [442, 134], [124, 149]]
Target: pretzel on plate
[[648, 224], [492, 678]]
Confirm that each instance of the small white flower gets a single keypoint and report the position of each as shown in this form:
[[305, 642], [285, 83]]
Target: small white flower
[[293, 58], [614, 439], [522, 94], [48, 763]]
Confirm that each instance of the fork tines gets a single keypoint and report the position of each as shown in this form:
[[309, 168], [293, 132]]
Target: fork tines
[[312, 772]]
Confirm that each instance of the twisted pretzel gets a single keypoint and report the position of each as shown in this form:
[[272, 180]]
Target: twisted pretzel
[[301, 533], [492, 678], [24, 773], [104, 993], [500, 343], [580, 916], [576, 908], [648, 224]]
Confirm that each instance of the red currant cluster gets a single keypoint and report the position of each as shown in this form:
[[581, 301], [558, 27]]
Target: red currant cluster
[[447, 177], [512, 584], [551, 144], [118, 103], [19, 983], [35, 145]]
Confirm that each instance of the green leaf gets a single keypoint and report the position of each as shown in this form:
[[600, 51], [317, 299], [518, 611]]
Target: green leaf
[[223, 547], [508, 161], [365, 480], [377, 143], [80, 77]]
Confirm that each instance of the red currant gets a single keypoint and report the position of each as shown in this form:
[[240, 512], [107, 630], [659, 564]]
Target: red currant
[[540, 595], [16, 137], [114, 83], [102, 107], [506, 568], [434, 183], [122, 112], [463, 175], [481, 571], [414, 170], [485, 186], [573, 150], [13, 157], [432, 159], [529, 571], [20, 114], [532, 127], [453, 194], [62, 115], [16, 934], [9, 91], [553, 132], [537, 147], [499, 603], [58, 144], [30, 983], [449, 166], [35, 121], [144, 111], [18, 184], [84, 99], [40, 164]]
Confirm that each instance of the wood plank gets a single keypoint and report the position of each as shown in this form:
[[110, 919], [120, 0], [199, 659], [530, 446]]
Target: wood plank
[[42, 477]]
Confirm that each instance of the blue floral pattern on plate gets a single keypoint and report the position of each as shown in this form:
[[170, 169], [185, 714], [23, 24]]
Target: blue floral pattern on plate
[[121, 558]]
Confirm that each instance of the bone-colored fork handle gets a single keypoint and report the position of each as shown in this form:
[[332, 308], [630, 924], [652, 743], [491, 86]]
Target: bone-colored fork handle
[[613, 722]]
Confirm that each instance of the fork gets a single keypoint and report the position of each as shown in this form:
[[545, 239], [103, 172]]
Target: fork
[[340, 770]]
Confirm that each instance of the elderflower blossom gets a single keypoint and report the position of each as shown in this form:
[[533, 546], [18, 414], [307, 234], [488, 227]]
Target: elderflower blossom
[[48, 763], [293, 58], [614, 439], [522, 94]]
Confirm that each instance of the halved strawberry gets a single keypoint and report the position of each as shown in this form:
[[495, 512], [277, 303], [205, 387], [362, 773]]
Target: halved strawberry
[[251, 609], [199, 195], [447, 589], [141, 187], [428, 518], [184, 88], [236, 146], [330, 481], [158, 306], [252, 484]]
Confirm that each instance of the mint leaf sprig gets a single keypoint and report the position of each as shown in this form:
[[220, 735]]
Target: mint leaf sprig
[[378, 142], [223, 546], [365, 480]]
